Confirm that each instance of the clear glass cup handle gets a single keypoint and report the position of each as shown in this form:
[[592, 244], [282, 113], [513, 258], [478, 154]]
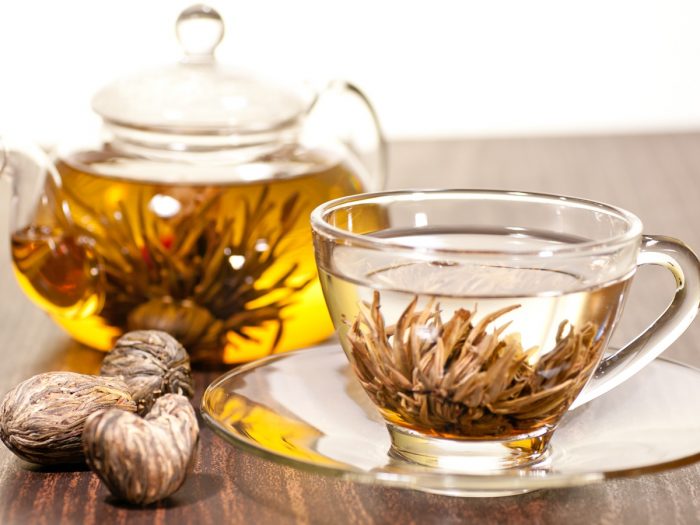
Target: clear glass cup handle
[[376, 162], [627, 361]]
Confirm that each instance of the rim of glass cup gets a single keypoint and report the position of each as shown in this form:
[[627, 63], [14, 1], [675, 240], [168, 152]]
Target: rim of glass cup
[[320, 225]]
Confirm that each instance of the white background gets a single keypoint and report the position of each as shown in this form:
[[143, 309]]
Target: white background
[[433, 69]]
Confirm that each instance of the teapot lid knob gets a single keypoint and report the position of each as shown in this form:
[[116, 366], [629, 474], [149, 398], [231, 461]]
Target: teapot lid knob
[[199, 30]]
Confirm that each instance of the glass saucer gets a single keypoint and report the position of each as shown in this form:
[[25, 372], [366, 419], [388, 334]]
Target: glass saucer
[[306, 410]]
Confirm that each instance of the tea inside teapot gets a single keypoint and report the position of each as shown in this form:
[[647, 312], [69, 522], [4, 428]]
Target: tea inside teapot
[[224, 267]]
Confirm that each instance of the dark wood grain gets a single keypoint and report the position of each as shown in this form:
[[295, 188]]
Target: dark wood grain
[[657, 177]]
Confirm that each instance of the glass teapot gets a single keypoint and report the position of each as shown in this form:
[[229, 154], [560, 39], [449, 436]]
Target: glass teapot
[[191, 215]]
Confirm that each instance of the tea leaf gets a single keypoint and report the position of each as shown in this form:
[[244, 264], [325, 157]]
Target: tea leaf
[[464, 379], [189, 287]]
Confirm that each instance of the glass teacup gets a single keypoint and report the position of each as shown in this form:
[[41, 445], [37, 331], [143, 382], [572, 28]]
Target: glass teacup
[[475, 319]]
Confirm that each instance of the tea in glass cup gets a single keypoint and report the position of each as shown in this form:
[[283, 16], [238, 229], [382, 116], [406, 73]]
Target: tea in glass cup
[[475, 319]]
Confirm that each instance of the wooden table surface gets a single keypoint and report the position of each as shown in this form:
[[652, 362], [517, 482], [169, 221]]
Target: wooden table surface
[[657, 177]]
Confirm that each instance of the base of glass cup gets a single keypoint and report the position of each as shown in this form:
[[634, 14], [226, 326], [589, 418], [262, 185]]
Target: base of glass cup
[[469, 456]]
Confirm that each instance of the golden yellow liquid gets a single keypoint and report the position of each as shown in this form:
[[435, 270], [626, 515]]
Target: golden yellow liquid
[[352, 276], [227, 268]]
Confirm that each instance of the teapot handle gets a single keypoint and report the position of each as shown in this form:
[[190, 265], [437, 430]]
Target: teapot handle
[[27, 167], [375, 160], [680, 260]]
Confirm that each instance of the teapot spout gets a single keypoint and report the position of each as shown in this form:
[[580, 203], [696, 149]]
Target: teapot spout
[[56, 268], [34, 181]]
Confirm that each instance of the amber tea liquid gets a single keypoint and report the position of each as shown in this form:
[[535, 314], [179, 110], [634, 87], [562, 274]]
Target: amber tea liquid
[[227, 268], [556, 304]]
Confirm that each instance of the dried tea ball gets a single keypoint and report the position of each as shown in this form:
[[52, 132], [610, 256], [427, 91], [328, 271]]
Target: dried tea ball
[[143, 460], [42, 418], [151, 363]]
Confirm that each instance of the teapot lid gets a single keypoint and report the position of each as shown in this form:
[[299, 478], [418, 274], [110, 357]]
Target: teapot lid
[[198, 95]]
